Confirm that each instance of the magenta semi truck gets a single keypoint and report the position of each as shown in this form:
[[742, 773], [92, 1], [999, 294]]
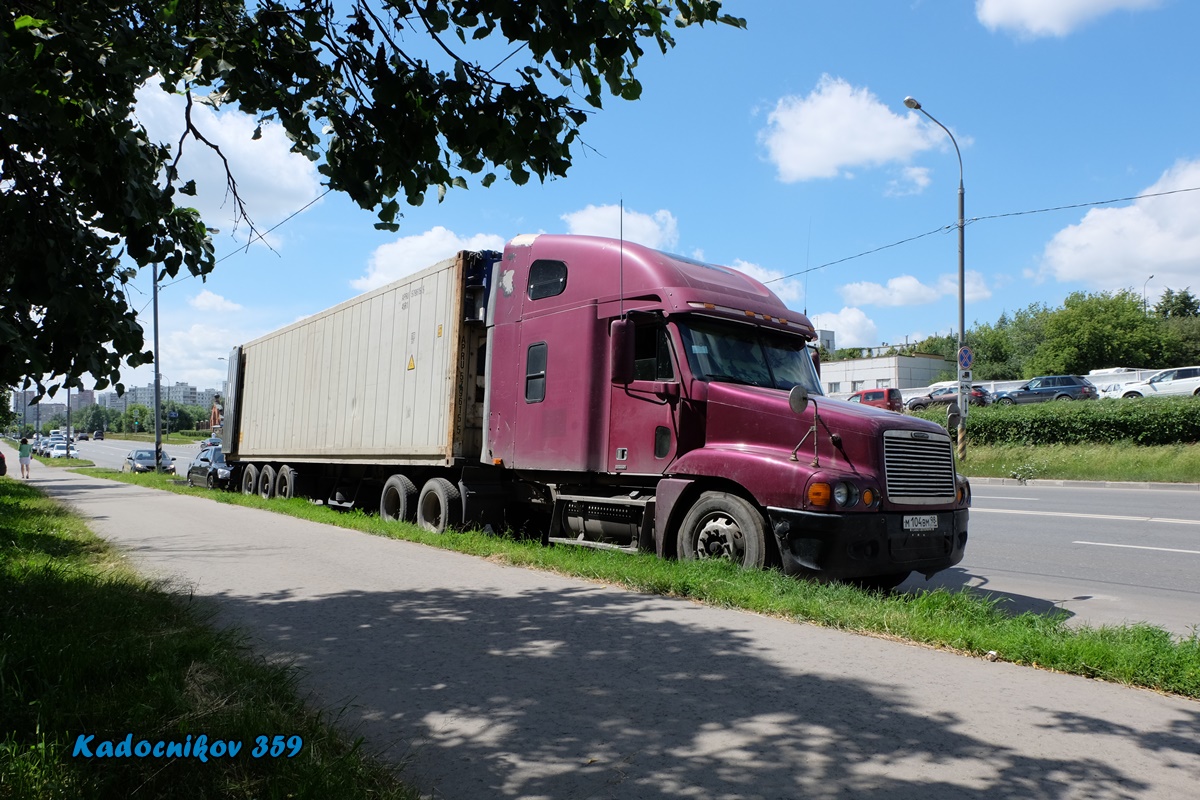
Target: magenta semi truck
[[597, 393]]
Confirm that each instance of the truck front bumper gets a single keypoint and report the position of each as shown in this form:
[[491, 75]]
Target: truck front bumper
[[840, 546]]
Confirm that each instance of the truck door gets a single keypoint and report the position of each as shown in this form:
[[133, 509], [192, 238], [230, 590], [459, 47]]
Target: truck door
[[643, 430]]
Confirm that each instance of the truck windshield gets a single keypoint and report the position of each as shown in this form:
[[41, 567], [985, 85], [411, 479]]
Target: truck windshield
[[746, 354]]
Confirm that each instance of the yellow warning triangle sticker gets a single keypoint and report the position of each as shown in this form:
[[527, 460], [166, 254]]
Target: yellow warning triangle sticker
[[411, 363]]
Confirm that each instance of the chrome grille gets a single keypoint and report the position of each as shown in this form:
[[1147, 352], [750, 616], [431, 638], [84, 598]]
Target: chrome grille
[[918, 467]]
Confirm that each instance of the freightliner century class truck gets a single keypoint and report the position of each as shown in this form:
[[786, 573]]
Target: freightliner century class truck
[[598, 393]]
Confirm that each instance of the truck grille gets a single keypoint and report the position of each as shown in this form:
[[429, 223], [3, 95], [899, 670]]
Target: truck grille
[[918, 467]]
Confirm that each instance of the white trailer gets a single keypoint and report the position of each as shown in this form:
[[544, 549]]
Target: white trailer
[[391, 377]]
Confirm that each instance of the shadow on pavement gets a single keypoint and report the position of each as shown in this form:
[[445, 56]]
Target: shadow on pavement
[[583, 693]]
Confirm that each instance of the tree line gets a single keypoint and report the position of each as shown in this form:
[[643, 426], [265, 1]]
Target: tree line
[[1091, 330]]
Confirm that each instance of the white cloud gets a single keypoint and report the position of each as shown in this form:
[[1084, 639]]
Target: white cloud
[[851, 327], [411, 254], [790, 291], [839, 127], [1035, 18], [659, 230], [912, 180], [905, 290], [1115, 248], [272, 182], [208, 301]]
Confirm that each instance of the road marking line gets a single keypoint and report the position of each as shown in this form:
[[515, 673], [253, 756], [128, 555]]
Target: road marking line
[[1141, 547], [1086, 516], [1001, 497]]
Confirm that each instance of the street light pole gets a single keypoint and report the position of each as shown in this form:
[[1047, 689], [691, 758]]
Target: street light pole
[[963, 391], [157, 378], [1145, 312]]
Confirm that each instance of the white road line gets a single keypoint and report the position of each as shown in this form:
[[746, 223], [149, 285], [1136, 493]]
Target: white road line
[[1001, 497], [1086, 516], [1141, 547]]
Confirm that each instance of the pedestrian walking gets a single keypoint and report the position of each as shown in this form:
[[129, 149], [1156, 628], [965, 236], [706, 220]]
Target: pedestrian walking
[[25, 452]]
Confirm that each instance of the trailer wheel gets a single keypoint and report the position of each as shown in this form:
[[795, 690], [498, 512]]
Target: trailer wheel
[[439, 508], [398, 503], [266, 482], [285, 482], [723, 525], [250, 479]]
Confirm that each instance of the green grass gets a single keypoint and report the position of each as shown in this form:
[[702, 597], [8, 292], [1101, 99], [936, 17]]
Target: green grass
[[1140, 655], [1093, 462], [88, 647]]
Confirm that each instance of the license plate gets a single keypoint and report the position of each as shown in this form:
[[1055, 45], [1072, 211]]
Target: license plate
[[921, 522]]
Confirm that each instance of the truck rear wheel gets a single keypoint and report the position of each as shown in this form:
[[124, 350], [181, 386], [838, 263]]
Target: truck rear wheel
[[266, 482], [398, 503], [723, 525], [250, 479], [439, 508], [285, 482]]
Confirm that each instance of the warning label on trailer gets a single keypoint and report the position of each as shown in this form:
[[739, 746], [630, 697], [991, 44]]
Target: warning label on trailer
[[412, 364]]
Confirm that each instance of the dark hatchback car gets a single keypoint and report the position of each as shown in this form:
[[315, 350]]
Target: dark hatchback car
[[209, 469], [945, 396], [143, 461], [880, 398], [1050, 387]]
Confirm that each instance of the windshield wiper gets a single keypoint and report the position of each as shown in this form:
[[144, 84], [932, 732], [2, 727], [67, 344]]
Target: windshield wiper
[[729, 379]]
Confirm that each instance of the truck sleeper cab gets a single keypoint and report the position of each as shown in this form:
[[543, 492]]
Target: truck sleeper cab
[[605, 394]]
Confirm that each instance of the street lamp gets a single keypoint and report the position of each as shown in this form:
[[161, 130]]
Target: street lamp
[[1145, 312], [963, 392]]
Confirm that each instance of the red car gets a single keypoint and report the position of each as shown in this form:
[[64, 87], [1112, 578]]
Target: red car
[[880, 398]]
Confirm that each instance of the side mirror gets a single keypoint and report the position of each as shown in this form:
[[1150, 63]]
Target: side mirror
[[953, 417], [620, 355], [798, 399]]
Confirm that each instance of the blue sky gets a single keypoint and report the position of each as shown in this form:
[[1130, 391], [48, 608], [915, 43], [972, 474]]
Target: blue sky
[[780, 148]]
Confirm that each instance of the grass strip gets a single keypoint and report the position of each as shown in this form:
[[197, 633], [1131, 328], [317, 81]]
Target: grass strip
[[88, 647], [1137, 655], [1178, 463]]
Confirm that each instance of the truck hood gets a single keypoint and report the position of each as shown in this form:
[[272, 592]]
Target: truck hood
[[760, 419]]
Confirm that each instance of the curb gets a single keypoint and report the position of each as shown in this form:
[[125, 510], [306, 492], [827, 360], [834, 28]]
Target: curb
[[1186, 487]]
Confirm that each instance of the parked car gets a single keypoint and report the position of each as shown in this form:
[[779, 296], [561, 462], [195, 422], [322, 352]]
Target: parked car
[[880, 398], [64, 450], [45, 445], [97, 435], [143, 461], [1178, 381], [949, 394], [1050, 387], [209, 469]]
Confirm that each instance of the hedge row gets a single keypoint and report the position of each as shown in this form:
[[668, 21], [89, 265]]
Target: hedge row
[[1150, 421]]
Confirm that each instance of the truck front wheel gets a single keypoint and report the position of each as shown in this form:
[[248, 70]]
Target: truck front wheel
[[723, 525]]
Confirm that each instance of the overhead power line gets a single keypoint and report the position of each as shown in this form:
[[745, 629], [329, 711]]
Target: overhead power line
[[952, 226]]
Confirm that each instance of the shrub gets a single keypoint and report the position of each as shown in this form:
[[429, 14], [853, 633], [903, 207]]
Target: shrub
[[1150, 421]]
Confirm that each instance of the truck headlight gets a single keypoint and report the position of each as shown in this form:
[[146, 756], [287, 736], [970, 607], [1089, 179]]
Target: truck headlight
[[845, 494]]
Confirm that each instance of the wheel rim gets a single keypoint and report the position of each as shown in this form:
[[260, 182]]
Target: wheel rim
[[720, 537], [211, 482], [431, 511]]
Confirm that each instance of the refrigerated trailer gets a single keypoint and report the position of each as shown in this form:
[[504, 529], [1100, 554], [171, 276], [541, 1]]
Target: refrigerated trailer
[[597, 393]]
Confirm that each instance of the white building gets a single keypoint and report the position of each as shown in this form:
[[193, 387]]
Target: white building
[[900, 372]]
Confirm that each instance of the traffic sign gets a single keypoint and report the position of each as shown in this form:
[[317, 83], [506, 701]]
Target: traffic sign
[[966, 357]]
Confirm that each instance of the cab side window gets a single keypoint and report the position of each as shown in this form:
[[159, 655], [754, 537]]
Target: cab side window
[[652, 354], [547, 279]]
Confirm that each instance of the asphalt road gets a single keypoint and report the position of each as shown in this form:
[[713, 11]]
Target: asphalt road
[[1104, 555], [494, 681]]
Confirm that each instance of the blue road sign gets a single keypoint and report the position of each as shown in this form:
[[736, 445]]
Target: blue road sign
[[966, 357]]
